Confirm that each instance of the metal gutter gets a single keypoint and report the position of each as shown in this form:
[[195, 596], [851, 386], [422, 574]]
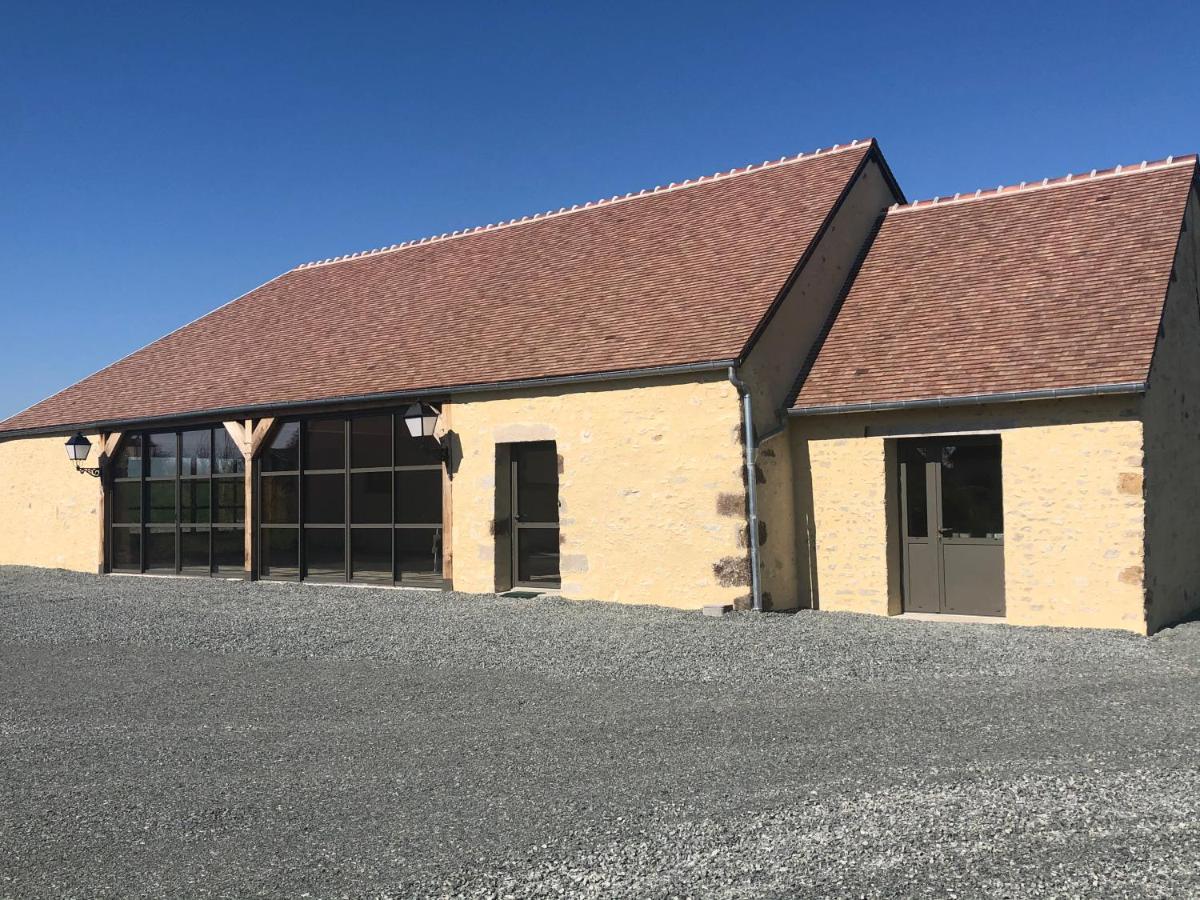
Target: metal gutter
[[751, 487], [395, 396], [1098, 390]]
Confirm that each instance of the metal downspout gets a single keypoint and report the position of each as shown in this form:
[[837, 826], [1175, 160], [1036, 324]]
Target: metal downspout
[[751, 486]]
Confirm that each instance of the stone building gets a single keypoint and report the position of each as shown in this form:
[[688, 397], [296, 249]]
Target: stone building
[[779, 386]]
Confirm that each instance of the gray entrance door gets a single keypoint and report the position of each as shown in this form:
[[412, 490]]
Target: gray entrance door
[[535, 514], [952, 525]]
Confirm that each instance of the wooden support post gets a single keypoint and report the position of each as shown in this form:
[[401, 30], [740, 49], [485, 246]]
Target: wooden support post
[[447, 499], [107, 450], [250, 438], [248, 497]]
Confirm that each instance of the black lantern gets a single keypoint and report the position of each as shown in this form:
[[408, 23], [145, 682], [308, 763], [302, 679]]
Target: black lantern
[[78, 448], [420, 419]]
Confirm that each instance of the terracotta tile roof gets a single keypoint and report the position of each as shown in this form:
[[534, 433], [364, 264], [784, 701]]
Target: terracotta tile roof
[[1051, 285], [679, 275]]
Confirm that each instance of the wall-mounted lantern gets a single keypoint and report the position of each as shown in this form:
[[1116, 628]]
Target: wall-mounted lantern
[[78, 448], [420, 419]]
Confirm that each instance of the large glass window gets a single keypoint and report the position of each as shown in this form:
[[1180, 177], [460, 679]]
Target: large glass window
[[351, 498], [164, 514]]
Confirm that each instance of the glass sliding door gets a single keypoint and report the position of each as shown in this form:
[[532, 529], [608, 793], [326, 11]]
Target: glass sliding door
[[125, 507], [371, 499], [323, 498], [418, 505], [177, 503], [279, 492], [361, 496]]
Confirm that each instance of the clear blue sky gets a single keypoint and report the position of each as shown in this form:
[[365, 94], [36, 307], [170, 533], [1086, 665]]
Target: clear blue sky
[[160, 159]]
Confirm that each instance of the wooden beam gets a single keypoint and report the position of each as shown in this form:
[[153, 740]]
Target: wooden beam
[[108, 448], [238, 434], [253, 437], [447, 501], [111, 443], [258, 435]]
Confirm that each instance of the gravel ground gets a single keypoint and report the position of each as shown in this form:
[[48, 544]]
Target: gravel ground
[[176, 737]]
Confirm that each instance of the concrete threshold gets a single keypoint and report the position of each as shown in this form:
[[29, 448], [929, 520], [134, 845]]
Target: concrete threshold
[[952, 617]]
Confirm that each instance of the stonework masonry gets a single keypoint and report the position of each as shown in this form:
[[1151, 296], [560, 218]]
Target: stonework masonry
[[771, 367], [647, 472], [1172, 418], [1074, 512]]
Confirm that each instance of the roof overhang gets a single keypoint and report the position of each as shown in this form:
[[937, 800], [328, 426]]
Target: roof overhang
[[1098, 390], [367, 400]]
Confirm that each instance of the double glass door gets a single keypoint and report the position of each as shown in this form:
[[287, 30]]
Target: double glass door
[[953, 525]]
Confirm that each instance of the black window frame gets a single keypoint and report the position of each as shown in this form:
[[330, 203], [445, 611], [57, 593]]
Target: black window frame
[[434, 579], [144, 527]]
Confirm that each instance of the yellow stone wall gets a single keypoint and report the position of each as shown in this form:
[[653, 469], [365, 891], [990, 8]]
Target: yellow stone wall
[[775, 360], [849, 525], [1073, 508], [48, 511], [1172, 417], [651, 488]]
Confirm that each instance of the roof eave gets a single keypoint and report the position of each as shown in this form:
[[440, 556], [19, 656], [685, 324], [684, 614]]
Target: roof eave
[[1096, 390], [299, 407]]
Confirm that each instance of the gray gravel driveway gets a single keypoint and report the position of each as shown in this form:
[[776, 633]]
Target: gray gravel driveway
[[175, 737]]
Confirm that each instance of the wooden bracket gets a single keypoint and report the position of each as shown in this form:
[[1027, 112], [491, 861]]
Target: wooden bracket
[[258, 435]]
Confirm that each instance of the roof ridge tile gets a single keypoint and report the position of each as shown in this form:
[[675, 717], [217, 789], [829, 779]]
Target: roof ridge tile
[[1006, 190], [593, 204]]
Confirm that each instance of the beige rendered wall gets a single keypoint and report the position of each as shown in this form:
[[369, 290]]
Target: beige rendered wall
[[651, 489], [48, 511], [1073, 508], [1172, 422]]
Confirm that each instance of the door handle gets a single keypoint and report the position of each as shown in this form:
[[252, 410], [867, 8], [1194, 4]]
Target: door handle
[[946, 532]]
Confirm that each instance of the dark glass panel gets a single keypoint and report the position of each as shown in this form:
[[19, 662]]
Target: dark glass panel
[[280, 552], [280, 500], [371, 442], [194, 499], [160, 550], [324, 499], [161, 450], [411, 451], [160, 501], [419, 555], [325, 444], [419, 497], [127, 502], [917, 509], [971, 494], [371, 554], [325, 552], [230, 499], [128, 461], [227, 457], [282, 453], [537, 482], [537, 555], [126, 549], [196, 453], [229, 551], [193, 550], [371, 498]]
